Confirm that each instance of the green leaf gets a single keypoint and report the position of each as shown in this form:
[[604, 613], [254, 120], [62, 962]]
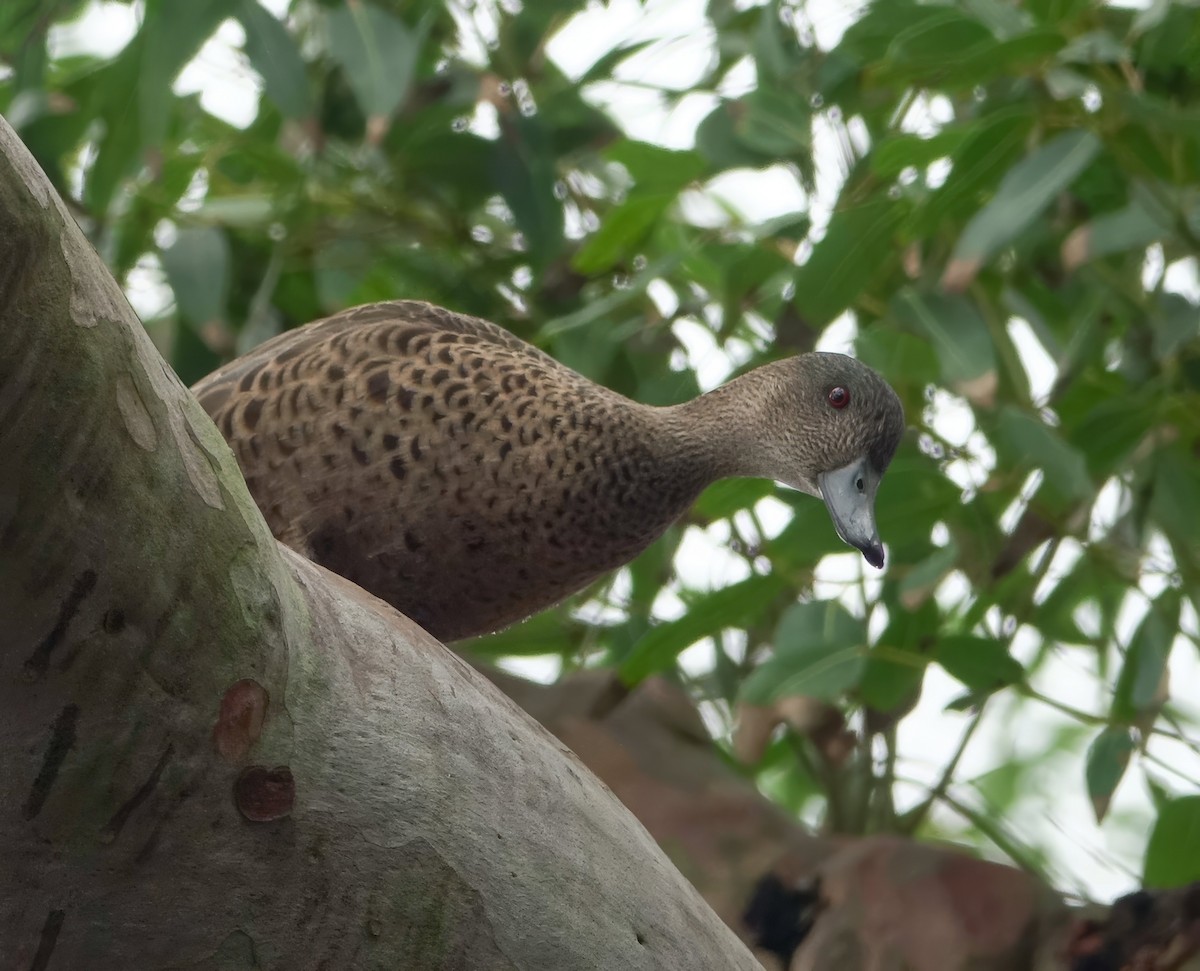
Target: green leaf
[[117, 148], [727, 496], [1028, 188], [1176, 322], [170, 37], [990, 145], [1173, 852], [545, 633], [191, 358], [525, 170], [783, 779], [1088, 583], [21, 23], [27, 107], [820, 652], [1107, 759], [1144, 220], [655, 169], [1036, 444], [791, 225], [898, 152], [982, 664], [717, 138], [936, 38], [1139, 689], [1094, 47], [970, 64], [275, 56], [958, 334], [1065, 84], [773, 124], [1175, 504], [1057, 11], [1002, 18], [733, 606], [1162, 116], [756, 276], [648, 574], [338, 272], [775, 49], [1170, 37], [913, 497], [1107, 432], [859, 241], [378, 53], [198, 269], [871, 38], [651, 383], [890, 350], [242, 211], [132, 236], [614, 301], [1159, 794], [604, 66], [896, 666], [623, 230], [808, 537], [593, 351], [920, 582]]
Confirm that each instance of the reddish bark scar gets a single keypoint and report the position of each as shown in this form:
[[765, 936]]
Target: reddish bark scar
[[240, 720], [264, 794]]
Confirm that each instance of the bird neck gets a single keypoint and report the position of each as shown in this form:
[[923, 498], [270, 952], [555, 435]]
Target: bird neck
[[728, 431]]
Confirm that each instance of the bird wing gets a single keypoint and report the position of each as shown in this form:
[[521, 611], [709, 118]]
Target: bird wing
[[215, 390]]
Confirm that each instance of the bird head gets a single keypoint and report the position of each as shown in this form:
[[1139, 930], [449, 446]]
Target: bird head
[[833, 425]]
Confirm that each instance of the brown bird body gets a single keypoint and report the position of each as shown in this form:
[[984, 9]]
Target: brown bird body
[[471, 480]]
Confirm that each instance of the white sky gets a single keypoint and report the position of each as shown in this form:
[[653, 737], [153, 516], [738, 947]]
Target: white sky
[[1099, 861]]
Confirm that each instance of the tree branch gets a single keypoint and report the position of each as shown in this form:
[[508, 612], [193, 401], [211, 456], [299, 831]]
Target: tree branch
[[215, 753]]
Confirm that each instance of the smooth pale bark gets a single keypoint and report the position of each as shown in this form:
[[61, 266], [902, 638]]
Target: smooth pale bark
[[216, 755], [884, 902]]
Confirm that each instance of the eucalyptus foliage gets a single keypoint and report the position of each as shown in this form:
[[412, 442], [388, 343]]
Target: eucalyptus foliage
[[1005, 176]]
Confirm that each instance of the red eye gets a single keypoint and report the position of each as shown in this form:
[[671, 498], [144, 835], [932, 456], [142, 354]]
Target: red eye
[[839, 397]]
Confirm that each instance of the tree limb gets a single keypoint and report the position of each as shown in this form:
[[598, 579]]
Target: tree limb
[[215, 754]]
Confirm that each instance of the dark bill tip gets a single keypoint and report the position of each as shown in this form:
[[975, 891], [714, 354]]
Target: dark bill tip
[[873, 554], [849, 494]]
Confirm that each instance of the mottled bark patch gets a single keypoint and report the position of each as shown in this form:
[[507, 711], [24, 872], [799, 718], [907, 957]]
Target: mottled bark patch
[[263, 794], [114, 621], [49, 937], [39, 660], [134, 413], [113, 829], [240, 719], [62, 739]]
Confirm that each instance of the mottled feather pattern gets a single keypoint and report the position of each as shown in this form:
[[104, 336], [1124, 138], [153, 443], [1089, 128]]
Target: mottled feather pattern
[[439, 461], [456, 471]]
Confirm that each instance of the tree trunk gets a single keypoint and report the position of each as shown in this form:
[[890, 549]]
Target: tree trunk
[[214, 754]]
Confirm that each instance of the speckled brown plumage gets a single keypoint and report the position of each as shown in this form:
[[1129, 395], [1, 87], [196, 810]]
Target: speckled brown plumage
[[470, 480]]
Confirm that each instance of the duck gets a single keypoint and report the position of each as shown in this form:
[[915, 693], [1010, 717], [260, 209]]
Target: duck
[[470, 480]]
